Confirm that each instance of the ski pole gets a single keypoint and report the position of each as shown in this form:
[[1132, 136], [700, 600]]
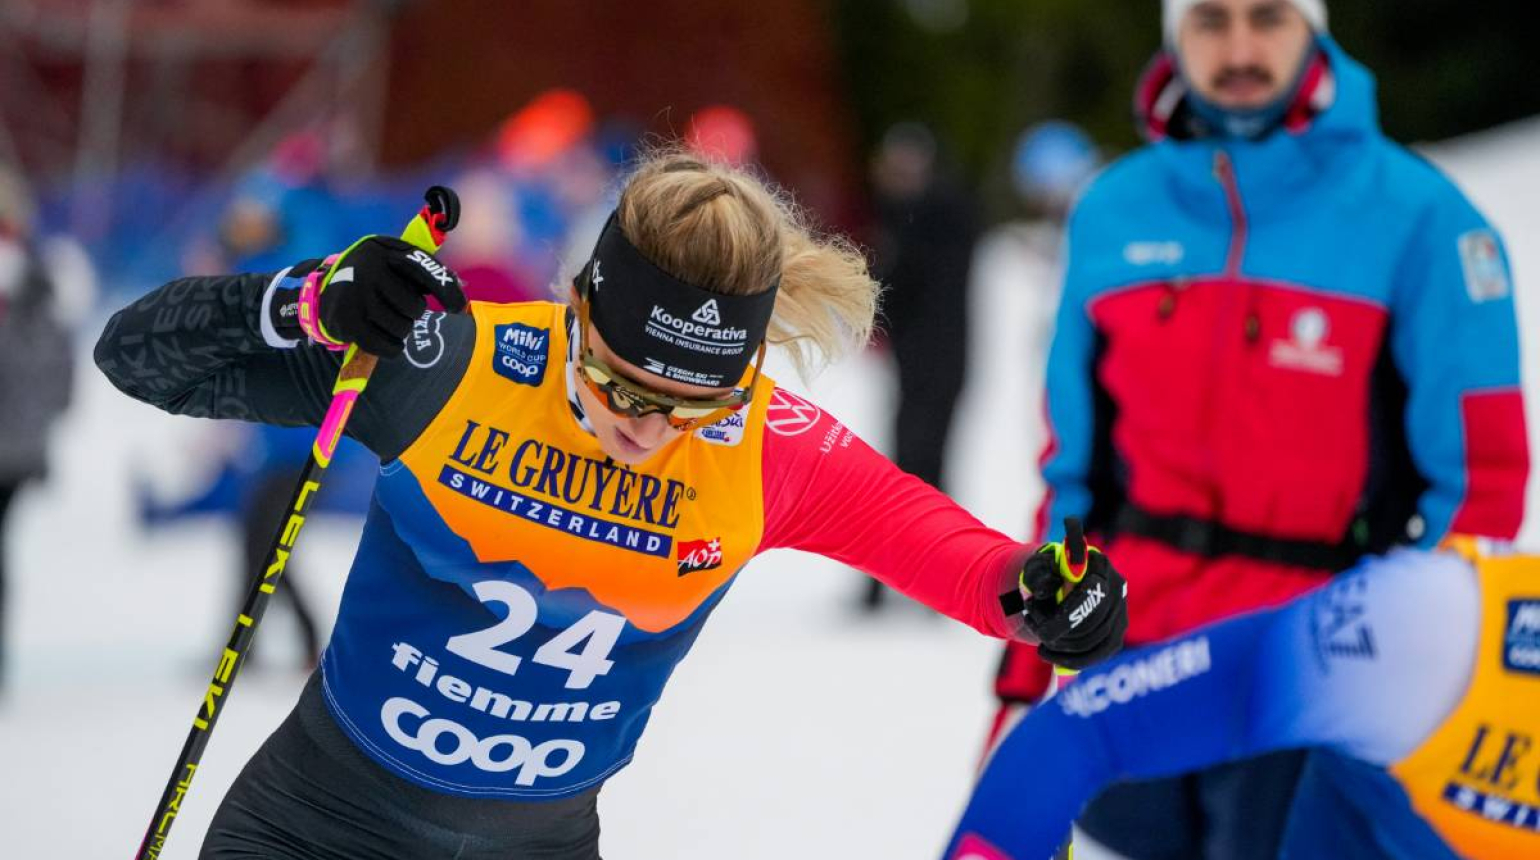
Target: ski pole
[[1073, 559], [426, 230]]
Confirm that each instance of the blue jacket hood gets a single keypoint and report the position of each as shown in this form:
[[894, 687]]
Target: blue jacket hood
[[1279, 170], [1355, 109]]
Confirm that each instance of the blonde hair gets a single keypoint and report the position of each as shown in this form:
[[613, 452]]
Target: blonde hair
[[725, 230]]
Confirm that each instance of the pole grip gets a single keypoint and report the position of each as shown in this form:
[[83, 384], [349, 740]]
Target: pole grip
[[1072, 566]]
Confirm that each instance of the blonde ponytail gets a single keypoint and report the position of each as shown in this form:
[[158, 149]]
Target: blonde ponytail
[[828, 299], [726, 230]]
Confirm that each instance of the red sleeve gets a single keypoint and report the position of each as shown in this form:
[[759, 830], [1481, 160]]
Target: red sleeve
[[1496, 464], [828, 492]]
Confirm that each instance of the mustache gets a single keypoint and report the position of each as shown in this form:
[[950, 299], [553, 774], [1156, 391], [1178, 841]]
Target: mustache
[[1242, 74]]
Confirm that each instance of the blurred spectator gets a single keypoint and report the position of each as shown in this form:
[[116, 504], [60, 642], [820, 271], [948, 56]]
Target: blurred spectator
[[36, 360], [544, 150], [587, 187], [925, 232], [552, 123], [723, 133], [282, 212], [1051, 162], [272, 462], [488, 243], [1283, 342]]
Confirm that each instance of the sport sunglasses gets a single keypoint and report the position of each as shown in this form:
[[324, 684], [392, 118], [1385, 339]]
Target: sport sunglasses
[[625, 397]]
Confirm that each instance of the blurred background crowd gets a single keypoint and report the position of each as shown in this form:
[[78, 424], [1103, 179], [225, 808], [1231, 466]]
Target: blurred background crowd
[[142, 140]]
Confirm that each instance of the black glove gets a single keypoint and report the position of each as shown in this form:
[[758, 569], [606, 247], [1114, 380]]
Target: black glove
[[378, 288], [1088, 626]]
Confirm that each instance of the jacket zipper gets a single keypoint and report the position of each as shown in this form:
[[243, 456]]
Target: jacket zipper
[[1223, 365], [1240, 232], [1224, 171]]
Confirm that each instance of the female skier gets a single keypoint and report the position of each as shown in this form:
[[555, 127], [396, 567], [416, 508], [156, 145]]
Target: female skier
[[1414, 678], [567, 492]]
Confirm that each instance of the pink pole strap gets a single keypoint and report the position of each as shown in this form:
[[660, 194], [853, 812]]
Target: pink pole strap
[[332, 425], [310, 306]]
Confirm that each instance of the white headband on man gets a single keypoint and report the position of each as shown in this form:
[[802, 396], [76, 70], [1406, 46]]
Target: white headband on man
[[1173, 10]]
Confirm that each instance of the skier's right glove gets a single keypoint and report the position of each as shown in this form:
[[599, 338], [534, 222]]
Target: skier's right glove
[[1088, 626], [371, 294]]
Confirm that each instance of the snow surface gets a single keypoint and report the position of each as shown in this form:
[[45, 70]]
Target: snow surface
[[794, 729]]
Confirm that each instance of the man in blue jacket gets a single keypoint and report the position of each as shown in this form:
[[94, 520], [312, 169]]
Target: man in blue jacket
[[1284, 341]]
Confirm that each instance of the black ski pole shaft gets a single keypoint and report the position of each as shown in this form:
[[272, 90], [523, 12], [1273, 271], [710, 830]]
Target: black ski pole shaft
[[426, 231]]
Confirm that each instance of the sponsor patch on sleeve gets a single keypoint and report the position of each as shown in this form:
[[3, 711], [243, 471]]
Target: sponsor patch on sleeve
[[521, 352], [1486, 276], [790, 415], [1521, 638]]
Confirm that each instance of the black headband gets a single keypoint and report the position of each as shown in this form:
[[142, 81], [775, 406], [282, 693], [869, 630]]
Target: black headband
[[667, 326]]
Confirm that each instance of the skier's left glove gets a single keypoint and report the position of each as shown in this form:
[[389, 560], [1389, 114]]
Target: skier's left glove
[[1088, 626]]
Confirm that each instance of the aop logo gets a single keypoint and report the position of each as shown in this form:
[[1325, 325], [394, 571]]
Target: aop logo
[[707, 313], [789, 415], [495, 754], [699, 555]]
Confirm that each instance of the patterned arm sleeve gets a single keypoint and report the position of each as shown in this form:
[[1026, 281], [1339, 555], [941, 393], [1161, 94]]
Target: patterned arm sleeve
[[230, 347], [829, 493]]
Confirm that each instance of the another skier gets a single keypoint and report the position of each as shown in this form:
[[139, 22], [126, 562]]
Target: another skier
[[37, 363], [1417, 673]]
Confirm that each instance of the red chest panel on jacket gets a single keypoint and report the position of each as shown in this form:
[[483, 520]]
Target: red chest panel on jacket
[[1242, 401]]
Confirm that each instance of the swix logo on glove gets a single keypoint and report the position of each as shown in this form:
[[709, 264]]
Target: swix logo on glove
[[1093, 598], [438, 270], [699, 555]]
